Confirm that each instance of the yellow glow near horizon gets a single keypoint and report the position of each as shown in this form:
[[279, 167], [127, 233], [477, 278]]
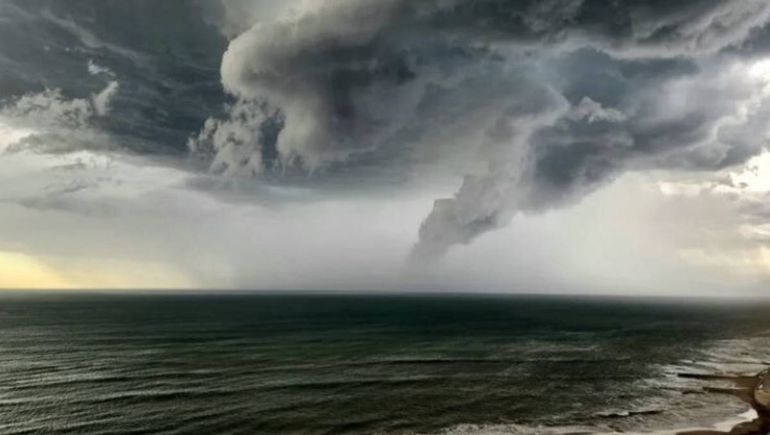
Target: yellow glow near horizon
[[24, 272]]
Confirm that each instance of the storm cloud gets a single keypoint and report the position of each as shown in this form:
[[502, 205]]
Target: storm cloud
[[544, 101], [255, 135]]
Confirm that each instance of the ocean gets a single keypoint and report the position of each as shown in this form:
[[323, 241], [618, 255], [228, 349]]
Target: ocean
[[356, 364]]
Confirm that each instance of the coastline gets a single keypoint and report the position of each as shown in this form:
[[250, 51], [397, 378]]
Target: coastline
[[728, 427], [753, 390], [724, 427]]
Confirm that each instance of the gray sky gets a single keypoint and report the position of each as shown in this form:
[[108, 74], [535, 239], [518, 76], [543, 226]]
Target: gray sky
[[531, 146]]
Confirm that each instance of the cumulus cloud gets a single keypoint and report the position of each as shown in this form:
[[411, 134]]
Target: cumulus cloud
[[50, 108], [591, 111], [95, 69], [234, 147], [55, 123]]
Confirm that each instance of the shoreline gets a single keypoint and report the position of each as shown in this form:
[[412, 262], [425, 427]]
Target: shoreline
[[732, 426], [752, 390], [723, 427]]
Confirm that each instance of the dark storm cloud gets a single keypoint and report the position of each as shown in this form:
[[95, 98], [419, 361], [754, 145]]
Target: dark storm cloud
[[553, 98], [538, 102], [352, 114], [164, 54], [351, 74]]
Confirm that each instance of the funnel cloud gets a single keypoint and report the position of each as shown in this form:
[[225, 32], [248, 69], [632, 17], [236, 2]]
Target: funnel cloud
[[547, 100]]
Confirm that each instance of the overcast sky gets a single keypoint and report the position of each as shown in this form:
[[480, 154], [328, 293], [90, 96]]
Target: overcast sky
[[578, 146]]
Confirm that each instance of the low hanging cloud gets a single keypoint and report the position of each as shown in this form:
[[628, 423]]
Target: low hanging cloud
[[550, 99], [229, 145]]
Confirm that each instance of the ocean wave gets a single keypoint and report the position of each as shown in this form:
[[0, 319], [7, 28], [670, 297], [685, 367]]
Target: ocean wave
[[514, 429], [723, 426], [691, 404]]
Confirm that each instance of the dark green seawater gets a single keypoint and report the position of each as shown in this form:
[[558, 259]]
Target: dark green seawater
[[173, 364]]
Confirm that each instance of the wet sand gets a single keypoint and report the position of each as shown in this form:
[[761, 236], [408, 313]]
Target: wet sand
[[754, 390]]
